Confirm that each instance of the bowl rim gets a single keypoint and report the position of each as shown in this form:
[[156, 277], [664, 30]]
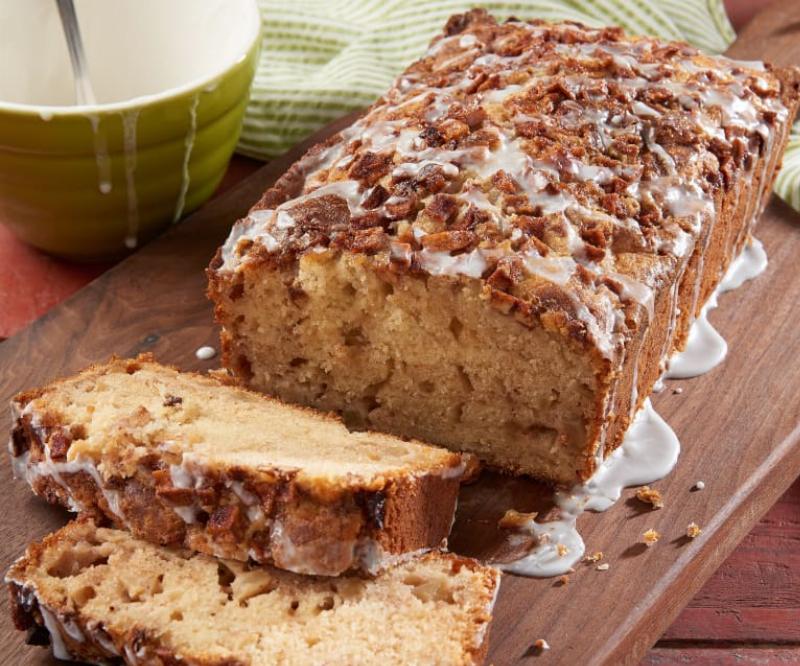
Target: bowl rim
[[47, 112]]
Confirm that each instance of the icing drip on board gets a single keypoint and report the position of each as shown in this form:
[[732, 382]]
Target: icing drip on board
[[706, 348], [648, 453]]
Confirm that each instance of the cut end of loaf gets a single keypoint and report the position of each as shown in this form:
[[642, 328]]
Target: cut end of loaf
[[419, 357], [101, 593]]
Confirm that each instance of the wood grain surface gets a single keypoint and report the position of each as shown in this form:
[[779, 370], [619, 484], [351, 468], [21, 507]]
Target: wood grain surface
[[755, 596], [739, 426]]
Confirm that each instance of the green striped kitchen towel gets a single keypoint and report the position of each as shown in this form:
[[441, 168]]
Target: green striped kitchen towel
[[323, 58]]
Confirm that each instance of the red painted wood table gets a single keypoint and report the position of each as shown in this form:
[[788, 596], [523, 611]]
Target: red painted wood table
[[748, 613]]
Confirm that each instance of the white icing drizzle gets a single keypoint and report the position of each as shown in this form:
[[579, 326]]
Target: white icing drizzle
[[99, 636], [648, 452], [135, 657], [52, 625], [182, 477], [255, 514], [129, 121], [29, 471], [187, 155], [705, 347], [54, 622], [636, 291], [553, 268], [472, 264]]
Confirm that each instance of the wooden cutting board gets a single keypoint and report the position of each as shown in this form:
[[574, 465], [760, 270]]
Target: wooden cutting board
[[739, 426]]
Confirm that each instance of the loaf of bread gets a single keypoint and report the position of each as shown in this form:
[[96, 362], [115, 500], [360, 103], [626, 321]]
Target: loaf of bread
[[100, 595], [502, 254], [184, 459]]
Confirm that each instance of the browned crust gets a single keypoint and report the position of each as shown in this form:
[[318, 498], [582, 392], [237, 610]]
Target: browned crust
[[400, 514], [26, 604]]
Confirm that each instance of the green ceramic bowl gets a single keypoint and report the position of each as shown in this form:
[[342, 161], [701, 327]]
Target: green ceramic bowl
[[172, 79]]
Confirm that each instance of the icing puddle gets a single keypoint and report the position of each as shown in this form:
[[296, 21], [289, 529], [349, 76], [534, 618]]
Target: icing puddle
[[548, 543], [706, 348]]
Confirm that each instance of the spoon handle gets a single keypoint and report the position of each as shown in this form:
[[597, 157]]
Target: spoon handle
[[69, 21]]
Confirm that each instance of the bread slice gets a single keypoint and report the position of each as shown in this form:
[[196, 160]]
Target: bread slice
[[102, 593], [502, 254], [184, 459]]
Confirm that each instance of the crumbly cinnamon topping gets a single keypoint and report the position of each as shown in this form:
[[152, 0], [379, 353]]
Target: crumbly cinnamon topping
[[650, 496], [569, 168], [596, 557]]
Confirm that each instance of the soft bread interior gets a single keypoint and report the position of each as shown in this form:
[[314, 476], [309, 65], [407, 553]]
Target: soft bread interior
[[432, 610], [422, 357]]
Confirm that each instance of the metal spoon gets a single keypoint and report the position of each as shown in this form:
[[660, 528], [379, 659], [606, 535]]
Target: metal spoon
[[80, 72]]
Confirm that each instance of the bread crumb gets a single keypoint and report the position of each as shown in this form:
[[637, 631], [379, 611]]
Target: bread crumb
[[596, 557], [541, 644], [562, 549], [602, 567], [514, 520], [564, 580], [693, 530], [650, 495], [677, 391], [650, 537], [699, 486]]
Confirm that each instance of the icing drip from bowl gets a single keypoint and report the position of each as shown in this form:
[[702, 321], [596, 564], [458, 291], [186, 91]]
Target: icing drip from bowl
[[187, 155], [129, 120], [706, 348], [101, 155], [648, 453]]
